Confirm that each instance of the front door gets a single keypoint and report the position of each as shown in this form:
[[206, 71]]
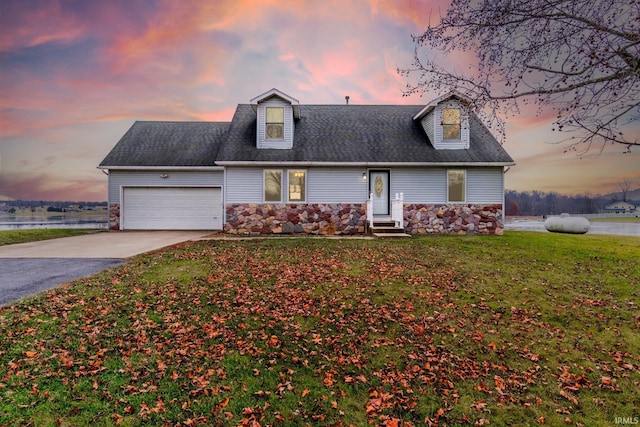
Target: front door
[[379, 186]]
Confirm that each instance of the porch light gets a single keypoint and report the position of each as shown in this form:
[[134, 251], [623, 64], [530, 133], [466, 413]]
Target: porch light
[[164, 175], [364, 177]]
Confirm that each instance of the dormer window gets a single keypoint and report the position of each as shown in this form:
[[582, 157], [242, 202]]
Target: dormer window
[[276, 113], [275, 123], [446, 122], [451, 123]]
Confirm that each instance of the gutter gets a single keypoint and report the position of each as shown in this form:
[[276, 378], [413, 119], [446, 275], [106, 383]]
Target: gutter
[[362, 164], [164, 168]]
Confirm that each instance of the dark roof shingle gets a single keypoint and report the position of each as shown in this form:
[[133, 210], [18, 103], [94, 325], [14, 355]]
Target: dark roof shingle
[[323, 134], [168, 144], [356, 134]]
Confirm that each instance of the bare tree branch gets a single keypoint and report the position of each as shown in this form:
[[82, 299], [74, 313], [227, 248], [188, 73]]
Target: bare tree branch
[[579, 57]]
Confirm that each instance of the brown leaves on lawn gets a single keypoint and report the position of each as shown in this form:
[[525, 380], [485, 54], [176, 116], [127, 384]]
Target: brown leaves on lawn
[[317, 327]]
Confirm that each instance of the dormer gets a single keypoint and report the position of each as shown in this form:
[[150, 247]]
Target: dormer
[[276, 114], [445, 120]]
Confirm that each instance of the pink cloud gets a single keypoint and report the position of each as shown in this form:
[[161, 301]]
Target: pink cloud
[[196, 59], [416, 12], [24, 26], [51, 187]]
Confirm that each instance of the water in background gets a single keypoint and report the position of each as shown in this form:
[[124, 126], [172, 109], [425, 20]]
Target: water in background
[[13, 222]]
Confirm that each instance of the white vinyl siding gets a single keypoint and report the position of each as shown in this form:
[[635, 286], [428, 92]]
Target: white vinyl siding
[[420, 185], [485, 185], [244, 185], [336, 185], [262, 140], [119, 179], [171, 208], [429, 127]]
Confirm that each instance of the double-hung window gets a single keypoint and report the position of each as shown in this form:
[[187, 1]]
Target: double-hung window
[[273, 185], [275, 123], [451, 123], [456, 188], [297, 185]]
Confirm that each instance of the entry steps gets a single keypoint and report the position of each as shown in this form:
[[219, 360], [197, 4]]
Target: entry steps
[[387, 230]]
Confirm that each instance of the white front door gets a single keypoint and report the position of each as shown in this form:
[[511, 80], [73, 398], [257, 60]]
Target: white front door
[[379, 186]]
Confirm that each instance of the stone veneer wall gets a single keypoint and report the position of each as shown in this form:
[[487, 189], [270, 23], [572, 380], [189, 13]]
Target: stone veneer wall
[[350, 218], [114, 216], [312, 218], [453, 219]]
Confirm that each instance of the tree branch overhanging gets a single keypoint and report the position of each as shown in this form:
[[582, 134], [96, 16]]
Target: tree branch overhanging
[[579, 57]]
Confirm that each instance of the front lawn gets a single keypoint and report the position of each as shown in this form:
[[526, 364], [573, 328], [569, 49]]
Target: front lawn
[[524, 329]]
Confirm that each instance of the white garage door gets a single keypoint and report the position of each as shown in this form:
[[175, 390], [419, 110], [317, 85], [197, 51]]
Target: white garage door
[[171, 208]]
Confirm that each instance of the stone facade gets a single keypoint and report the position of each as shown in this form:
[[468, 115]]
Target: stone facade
[[350, 219], [114, 216], [313, 218], [453, 219]]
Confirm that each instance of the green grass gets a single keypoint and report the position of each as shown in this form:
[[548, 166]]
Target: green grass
[[631, 219], [11, 237], [513, 330]]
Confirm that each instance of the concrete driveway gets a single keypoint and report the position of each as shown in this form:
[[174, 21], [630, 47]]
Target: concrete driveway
[[28, 268]]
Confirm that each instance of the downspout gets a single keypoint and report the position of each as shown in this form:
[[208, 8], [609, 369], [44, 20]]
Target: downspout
[[504, 199], [106, 172]]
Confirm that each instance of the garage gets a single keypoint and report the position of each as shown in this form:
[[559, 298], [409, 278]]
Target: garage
[[171, 208]]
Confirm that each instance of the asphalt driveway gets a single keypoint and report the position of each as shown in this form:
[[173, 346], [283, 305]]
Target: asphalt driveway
[[29, 268]]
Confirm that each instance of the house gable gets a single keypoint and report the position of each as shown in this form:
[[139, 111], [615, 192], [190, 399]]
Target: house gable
[[276, 113]]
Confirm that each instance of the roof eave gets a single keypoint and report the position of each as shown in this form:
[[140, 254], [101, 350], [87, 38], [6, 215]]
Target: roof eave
[[363, 164], [275, 92], [431, 105], [163, 168]]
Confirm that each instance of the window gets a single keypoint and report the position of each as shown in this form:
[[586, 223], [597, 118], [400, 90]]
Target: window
[[275, 123], [451, 121], [273, 185], [297, 184], [456, 185]]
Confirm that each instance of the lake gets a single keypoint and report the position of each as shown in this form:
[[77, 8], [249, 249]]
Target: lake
[[13, 222]]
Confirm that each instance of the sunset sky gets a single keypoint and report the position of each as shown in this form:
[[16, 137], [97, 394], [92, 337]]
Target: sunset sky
[[76, 74]]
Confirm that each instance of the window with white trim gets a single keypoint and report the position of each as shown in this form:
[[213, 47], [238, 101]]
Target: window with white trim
[[451, 123], [297, 185], [275, 123], [456, 185], [273, 185]]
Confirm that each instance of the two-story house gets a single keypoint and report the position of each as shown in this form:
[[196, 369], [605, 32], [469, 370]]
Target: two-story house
[[284, 167]]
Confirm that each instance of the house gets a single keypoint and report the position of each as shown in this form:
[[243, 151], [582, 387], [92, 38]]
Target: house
[[620, 208], [284, 167]]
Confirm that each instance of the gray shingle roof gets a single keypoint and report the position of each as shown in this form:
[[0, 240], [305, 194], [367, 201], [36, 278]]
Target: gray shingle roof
[[168, 144], [323, 134], [356, 134]]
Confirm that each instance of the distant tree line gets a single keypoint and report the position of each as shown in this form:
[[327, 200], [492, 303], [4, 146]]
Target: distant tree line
[[539, 203], [51, 206]]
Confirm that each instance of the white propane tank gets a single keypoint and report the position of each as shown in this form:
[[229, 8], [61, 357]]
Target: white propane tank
[[567, 224]]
